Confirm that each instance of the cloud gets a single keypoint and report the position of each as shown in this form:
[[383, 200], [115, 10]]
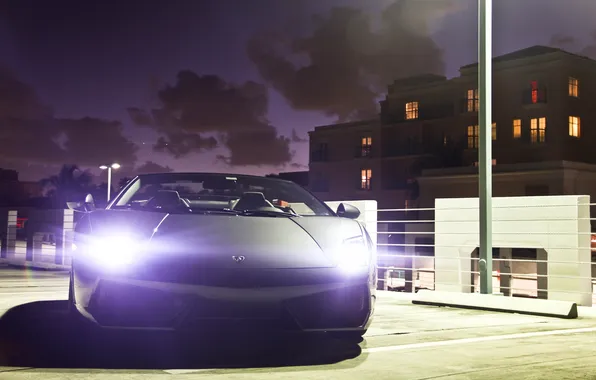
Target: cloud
[[345, 64], [295, 165], [29, 133], [573, 45], [197, 106], [298, 139], [152, 167]]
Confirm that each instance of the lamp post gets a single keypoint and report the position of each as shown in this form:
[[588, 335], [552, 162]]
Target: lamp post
[[485, 149], [114, 166]]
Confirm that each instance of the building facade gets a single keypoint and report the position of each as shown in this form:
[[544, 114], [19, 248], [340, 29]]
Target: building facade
[[542, 112]]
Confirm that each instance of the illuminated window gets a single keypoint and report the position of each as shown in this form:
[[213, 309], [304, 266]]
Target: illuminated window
[[516, 128], [473, 101], [411, 110], [534, 85], [365, 178], [538, 130], [473, 136], [366, 146], [573, 87], [574, 126]]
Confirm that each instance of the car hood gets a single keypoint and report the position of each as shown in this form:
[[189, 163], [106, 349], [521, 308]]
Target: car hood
[[214, 240]]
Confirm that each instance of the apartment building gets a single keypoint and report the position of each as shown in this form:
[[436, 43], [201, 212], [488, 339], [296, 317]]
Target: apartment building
[[426, 136]]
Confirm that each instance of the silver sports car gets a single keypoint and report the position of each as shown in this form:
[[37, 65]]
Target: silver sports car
[[182, 251]]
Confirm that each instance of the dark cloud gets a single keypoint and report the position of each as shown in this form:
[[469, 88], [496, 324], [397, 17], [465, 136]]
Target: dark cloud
[[152, 167], [198, 106], [573, 45], [343, 66], [297, 139], [92, 141], [180, 144], [30, 133], [295, 165], [257, 147]]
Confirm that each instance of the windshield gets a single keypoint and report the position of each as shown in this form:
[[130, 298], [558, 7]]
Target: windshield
[[219, 193]]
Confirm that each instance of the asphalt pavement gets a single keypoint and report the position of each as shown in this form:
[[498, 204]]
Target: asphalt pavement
[[410, 342]]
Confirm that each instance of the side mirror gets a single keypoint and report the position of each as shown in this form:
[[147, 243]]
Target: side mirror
[[345, 210], [86, 206], [89, 203]]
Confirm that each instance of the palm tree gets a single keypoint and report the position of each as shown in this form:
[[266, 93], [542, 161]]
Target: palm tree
[[70, 184]]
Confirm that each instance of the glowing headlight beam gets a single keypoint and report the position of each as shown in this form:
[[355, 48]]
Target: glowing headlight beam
[[112, 252], [353, 254]]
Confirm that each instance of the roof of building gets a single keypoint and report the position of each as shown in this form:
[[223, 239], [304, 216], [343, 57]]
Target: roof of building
[[532, 51], [358, 123]]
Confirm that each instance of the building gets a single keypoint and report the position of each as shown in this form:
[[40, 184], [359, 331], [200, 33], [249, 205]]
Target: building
[[301, 177], [425, 141]]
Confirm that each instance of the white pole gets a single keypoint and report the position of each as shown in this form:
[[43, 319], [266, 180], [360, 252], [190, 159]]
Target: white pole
[[109, 181], [485, 148]]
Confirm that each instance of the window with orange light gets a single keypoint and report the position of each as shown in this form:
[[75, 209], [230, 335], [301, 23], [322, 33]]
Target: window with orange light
[[516, 128], [573, 87], [538, 130], [366, 146], [574, 126], [473, 101], [365, 179], [411, 110]]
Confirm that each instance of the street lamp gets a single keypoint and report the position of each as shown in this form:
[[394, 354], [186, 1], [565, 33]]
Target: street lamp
[[485, 265], [114, 166]]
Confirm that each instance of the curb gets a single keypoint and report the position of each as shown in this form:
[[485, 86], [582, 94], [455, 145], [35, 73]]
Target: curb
[[33, 265]]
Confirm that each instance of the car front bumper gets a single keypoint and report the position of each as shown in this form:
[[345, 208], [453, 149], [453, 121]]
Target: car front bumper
[[128, 302]]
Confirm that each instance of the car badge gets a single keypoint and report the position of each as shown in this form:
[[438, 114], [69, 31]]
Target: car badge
[[238, 259]]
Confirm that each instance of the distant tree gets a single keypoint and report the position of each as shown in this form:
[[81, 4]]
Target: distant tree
[[100, 194], [123, 182], [70, 184]]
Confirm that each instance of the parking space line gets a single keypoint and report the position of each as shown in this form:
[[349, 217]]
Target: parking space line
[[456, 342]]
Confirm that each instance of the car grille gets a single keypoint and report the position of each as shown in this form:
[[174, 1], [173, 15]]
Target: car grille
[[238, 278]]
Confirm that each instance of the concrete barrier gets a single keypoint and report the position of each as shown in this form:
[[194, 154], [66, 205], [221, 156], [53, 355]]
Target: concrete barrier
[[488, 302], [557, 227]]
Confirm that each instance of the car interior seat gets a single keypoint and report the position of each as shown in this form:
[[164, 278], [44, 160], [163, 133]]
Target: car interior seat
[[251, 201], [165, 199]]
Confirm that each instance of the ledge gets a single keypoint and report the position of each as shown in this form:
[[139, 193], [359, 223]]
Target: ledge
[[499, 303]]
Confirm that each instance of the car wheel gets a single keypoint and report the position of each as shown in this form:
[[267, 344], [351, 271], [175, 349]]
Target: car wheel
[[348, 336]]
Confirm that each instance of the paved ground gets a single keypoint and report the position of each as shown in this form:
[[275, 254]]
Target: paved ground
[[406, 342]]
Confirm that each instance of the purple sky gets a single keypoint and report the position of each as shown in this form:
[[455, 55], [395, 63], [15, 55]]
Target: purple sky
[[96, 58]]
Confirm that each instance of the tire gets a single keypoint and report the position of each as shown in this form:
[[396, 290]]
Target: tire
[[71, 307]]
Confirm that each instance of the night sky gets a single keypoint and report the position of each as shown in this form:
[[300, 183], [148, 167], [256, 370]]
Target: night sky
[[230, 85]]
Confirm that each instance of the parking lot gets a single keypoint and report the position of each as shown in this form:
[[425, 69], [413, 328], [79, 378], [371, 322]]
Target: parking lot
[[405, 342]]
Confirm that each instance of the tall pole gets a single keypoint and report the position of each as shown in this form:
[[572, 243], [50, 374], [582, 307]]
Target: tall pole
[[485, 149], [109, 181]]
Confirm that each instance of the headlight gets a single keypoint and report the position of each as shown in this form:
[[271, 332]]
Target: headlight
[[353, 254], [113, 251]]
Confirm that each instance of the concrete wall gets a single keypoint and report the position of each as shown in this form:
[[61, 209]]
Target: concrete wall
[[558, 226]]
